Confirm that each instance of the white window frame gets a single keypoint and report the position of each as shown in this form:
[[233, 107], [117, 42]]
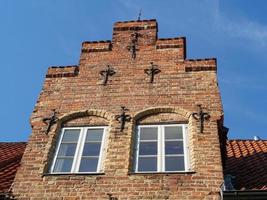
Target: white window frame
[[79, 150], [161, 148]]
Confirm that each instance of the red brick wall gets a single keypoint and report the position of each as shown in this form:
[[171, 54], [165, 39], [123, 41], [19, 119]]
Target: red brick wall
[[79, 97]]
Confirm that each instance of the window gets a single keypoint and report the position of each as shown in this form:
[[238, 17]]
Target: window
[[161, 148], [79, 150]]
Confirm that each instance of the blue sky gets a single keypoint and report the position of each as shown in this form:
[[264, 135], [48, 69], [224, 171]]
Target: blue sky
[[37, 34]]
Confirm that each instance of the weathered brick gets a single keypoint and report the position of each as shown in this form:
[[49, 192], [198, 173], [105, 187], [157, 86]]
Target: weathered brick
[[80, 98]]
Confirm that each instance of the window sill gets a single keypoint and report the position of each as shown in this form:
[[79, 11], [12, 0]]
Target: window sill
[[73, 174], [160, 173]]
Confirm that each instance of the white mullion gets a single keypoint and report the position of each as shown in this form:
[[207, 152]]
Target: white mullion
[[64, 157], [148, 141], [137, 149], [57, 150], [100, 156], [186, 148], [148, 156], [78, 152], [159, 152], [173, 155], [163, 149]]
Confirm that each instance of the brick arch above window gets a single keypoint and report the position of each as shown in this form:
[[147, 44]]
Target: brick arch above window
[[158, 118], [184, 114], [86, 113]]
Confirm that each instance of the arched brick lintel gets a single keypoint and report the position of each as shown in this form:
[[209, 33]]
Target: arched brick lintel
[[83, 113], [155, 110]]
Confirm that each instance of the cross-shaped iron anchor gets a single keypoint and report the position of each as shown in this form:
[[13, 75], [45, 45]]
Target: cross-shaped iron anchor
[[123, 118], [106, 73], [201, 117], [110, 197], [132, 47], [50, 121], [152, 71]]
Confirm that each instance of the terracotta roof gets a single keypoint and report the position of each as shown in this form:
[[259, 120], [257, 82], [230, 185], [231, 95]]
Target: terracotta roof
[[10, 156], [247, 162]]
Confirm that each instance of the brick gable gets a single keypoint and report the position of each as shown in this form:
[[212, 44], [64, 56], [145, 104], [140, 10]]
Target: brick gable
[[78, 92]]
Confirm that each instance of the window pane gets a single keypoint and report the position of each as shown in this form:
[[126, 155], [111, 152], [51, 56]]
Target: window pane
[[63, 165], [71, 135], [67, 150], [91, 149], [148, 133], [174, 147], [147, 164], [175, 132], [94, 135], [148, 148], [174, 163], [88, 165]]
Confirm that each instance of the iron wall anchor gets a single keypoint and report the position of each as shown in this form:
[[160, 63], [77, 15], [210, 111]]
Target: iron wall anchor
[[132, 48], [110, 197], [201, 116], [133, 45], [50, 121], [106, 73], [123, 118], [152, 71]]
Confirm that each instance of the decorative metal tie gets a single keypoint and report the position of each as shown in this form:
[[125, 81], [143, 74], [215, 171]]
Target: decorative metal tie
[[50, 121], [152, 71], [123, 118], [106, 73], [201, 117], [110, 197], [133, 45]]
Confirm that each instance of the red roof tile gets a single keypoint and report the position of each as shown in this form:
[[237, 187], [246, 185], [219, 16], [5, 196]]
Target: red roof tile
[[247, 162], [10, 156]]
